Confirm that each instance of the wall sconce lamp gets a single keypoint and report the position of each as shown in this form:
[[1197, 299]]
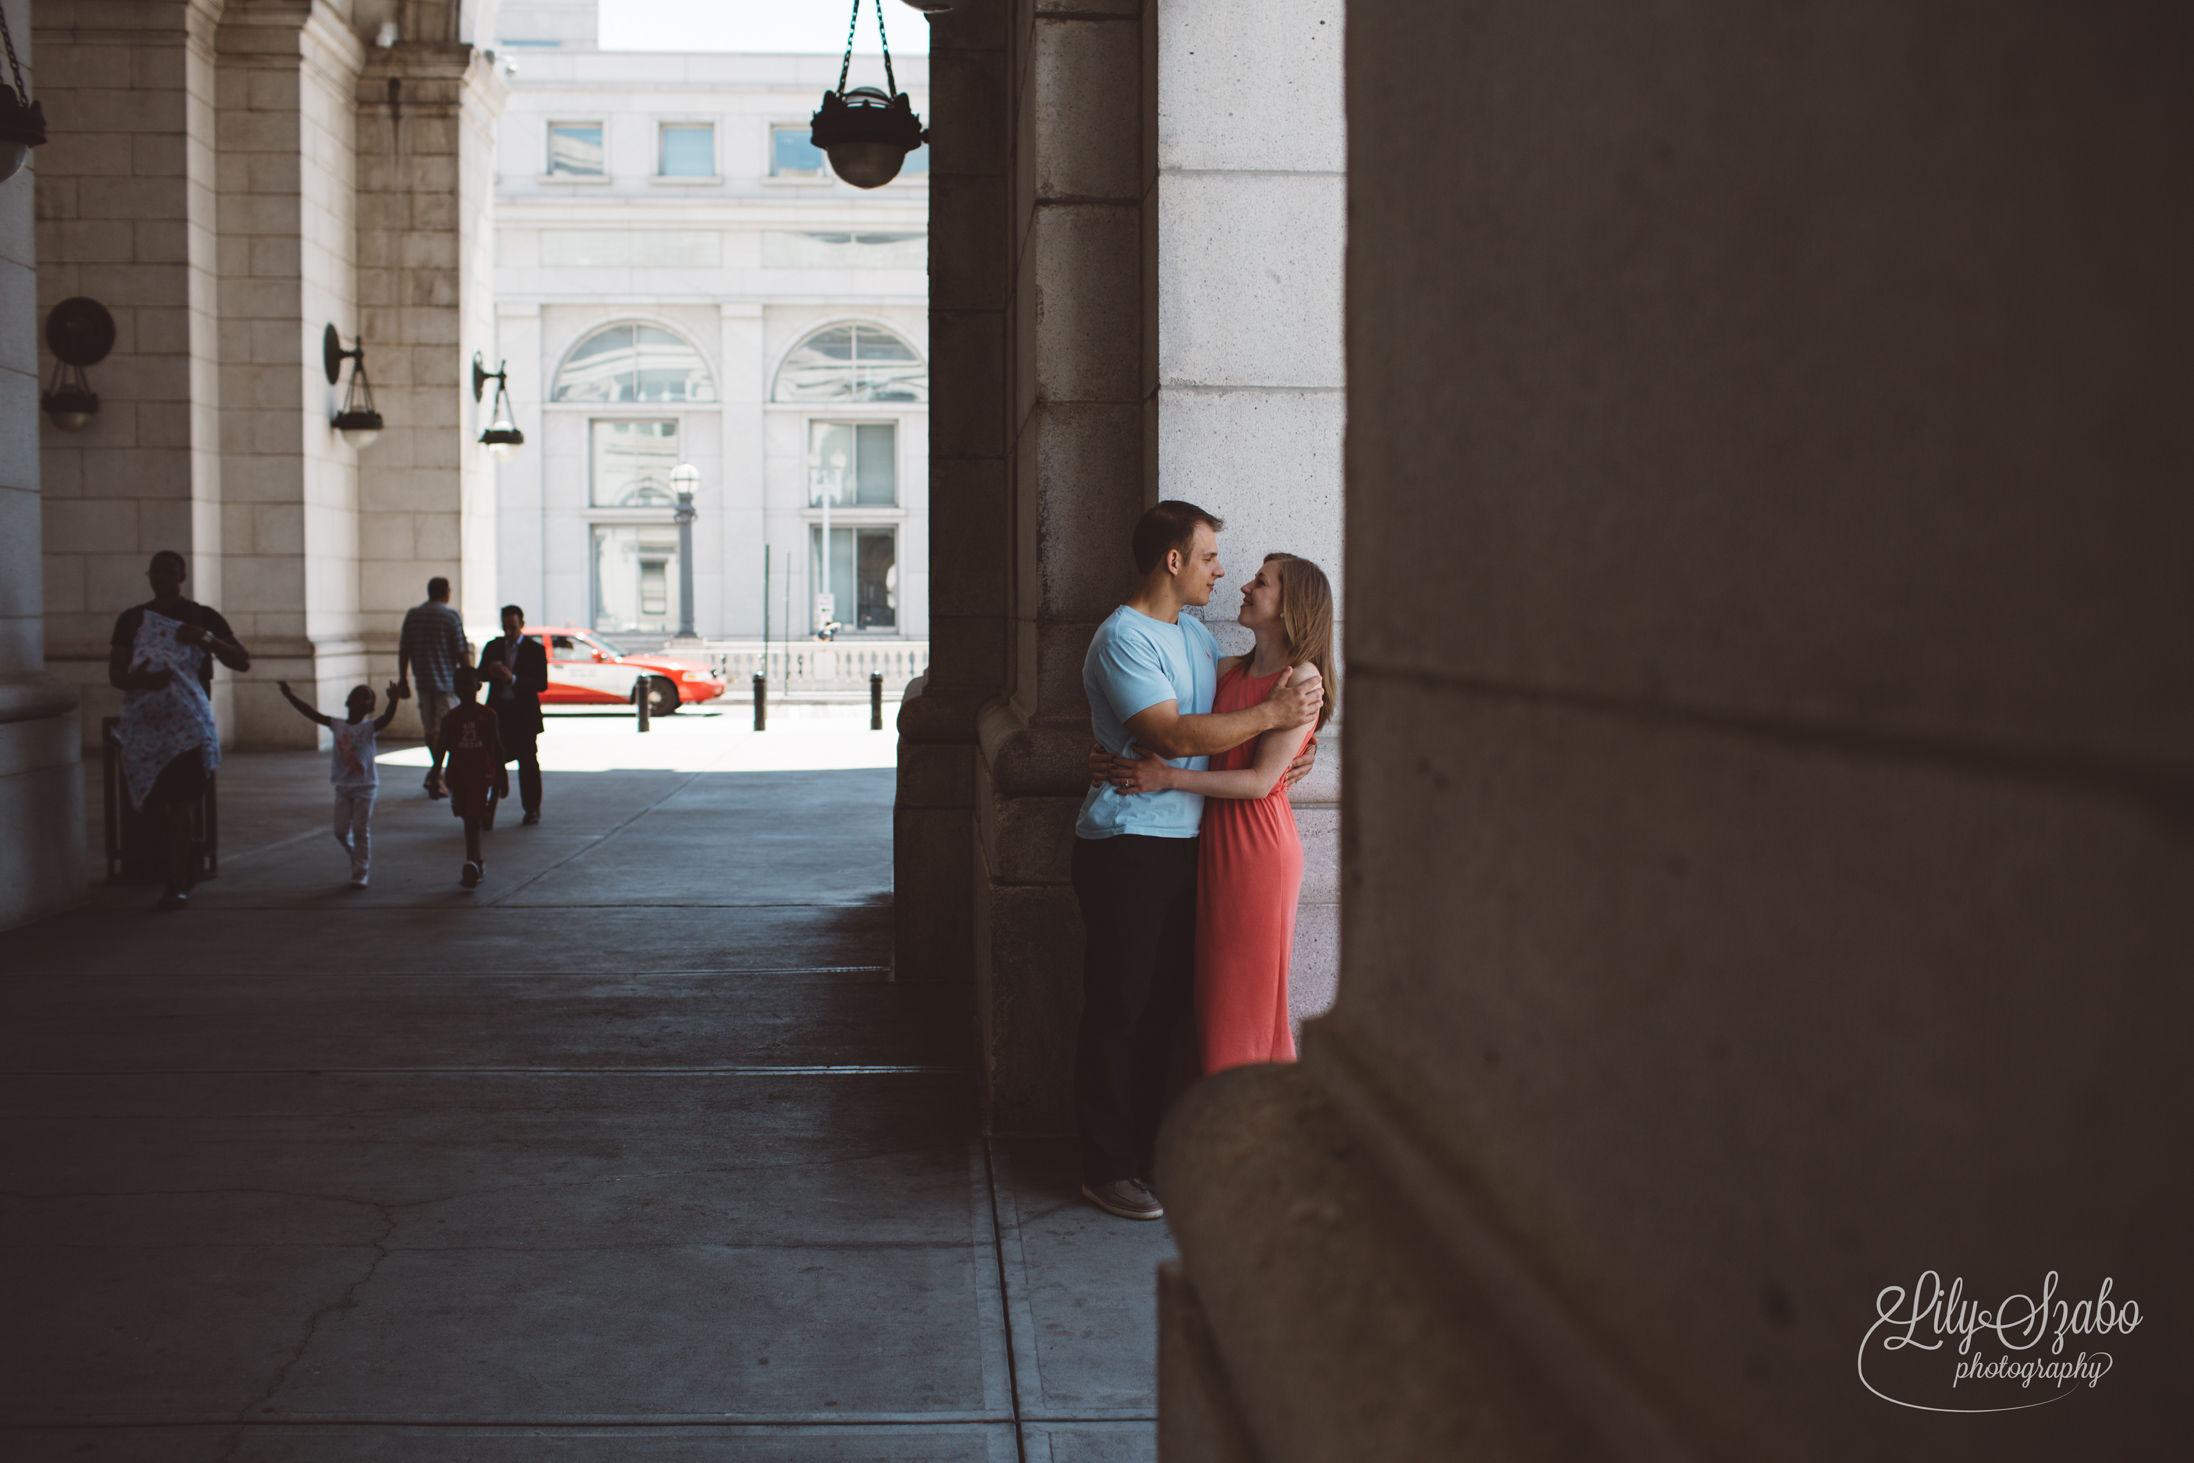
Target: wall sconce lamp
[[868, 133], [22, 121], [359, 423], [502, 438], [79, 332]]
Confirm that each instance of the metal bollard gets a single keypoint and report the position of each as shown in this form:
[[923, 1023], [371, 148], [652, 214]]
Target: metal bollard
[[640, 702], [875, 700], [761, 703]]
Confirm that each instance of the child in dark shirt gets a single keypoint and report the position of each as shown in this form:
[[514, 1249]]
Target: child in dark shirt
[[472, 755]]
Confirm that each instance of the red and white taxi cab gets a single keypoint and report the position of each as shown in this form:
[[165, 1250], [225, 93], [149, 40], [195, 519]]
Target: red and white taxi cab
[[586, 670]]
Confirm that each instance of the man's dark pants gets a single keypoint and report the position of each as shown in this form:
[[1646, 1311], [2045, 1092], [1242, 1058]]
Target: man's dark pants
[[1137, 1044], [523, 742]]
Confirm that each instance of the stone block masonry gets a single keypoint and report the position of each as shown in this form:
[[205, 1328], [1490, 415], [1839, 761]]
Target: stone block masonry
[[41, 787], [232, 180]]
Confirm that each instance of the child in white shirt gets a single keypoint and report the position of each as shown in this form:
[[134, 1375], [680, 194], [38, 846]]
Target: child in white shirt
[[353, 772]]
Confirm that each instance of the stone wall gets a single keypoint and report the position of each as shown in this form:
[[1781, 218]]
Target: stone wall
[[1766, 833], [126, 216], [1245, 227], [41, 797], [204, 185]]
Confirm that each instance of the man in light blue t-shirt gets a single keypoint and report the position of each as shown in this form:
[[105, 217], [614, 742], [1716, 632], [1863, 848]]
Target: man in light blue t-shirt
[[1151, 674]]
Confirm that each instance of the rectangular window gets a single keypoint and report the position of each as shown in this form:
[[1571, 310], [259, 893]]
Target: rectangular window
[[864, 575], [688, 150], [792, 155], [631, 463], [575, 149], [853, 463], [635, 577]]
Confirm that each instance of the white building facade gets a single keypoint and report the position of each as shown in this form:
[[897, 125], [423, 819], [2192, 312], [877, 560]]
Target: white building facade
[[680, 279]]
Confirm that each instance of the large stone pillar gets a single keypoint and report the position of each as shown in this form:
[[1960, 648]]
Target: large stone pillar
[[41, 792], [289, 484], [971, 254], [126, 210], [1248, 215], [1076, 426], [1771, 738], [426, 110]]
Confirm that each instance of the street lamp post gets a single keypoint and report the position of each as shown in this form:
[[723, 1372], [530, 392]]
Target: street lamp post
[[684, 478]]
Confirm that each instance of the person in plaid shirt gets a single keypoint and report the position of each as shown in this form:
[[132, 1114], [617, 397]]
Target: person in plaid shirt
[[433, 639]]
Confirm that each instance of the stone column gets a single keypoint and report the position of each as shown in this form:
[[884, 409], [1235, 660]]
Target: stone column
[[1247, 215], [288, 270], [426, 110], [1772, 739], [41, 790], [126, 209], [971, 253], [1078, 397]]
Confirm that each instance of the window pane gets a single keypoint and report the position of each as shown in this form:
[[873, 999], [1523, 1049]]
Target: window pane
[[634, 363], [792, 155], [876, 463], [689, 151], [635, 571], [877, 575], [632, 463], [853, 363], [871, 344], [576, 147], [917, 160], [839, 584], [831, 465], [668, 369], [595, 369]]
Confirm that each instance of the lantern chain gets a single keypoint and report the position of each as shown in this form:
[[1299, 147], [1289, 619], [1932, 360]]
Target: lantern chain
[[22, 92], [845, 68]]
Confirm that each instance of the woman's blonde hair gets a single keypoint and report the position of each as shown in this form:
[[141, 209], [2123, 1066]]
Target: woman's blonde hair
[[1306, 620]]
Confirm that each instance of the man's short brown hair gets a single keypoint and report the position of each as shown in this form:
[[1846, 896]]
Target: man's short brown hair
[[1169, 526]]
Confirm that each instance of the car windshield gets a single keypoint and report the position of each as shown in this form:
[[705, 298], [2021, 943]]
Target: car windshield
[[610, 647]]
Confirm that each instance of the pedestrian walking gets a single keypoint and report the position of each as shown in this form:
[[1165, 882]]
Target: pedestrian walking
[[476, 776], [515, 668], [433, 641], [353, 770], [161, 658]]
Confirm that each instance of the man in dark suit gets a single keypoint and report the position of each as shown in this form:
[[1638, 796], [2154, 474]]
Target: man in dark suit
[[515, 668]]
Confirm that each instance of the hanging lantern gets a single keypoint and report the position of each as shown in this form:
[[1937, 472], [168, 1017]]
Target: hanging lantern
[[79, 332], [867, 133], [359, 423], [22, 121], [502, 438], [929, 7]]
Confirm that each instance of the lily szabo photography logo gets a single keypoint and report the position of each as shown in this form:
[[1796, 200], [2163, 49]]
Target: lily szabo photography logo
[[1936, 1349]]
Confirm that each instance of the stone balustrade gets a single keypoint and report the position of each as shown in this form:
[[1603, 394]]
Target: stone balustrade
[[815, 670]]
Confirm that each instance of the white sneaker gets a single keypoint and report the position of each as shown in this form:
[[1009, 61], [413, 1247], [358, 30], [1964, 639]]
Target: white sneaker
[[357, 881]]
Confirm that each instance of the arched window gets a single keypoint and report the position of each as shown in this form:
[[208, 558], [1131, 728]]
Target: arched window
[[853, 363], [633, 362]]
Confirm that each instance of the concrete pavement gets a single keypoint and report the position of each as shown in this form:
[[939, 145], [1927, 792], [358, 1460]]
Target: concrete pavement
[[635, 1153]]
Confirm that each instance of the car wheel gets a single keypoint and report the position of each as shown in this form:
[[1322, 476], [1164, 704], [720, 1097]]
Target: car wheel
[[662, 696]]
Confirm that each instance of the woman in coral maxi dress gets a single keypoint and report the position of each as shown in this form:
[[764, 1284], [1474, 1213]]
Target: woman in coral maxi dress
[[1250, 859]]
